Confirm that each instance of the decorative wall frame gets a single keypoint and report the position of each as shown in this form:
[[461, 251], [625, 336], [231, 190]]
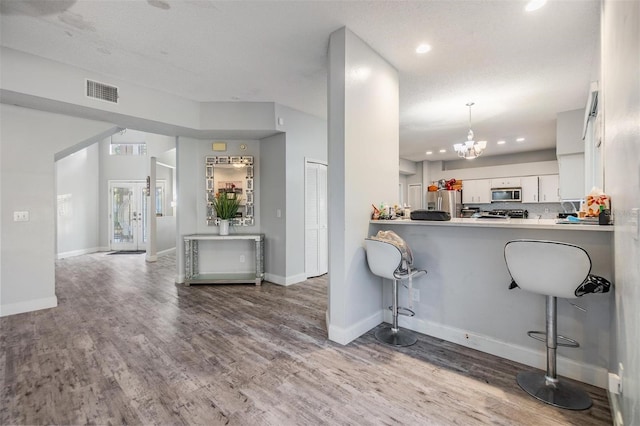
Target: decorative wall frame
[[244, 166]]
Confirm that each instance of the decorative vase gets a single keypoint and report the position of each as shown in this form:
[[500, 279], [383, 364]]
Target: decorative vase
[[224, 227]]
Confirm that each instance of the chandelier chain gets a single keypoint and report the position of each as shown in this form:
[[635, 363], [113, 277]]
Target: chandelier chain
[[470, 149]]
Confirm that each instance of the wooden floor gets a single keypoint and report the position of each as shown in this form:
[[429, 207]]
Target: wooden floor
[[128, 346]]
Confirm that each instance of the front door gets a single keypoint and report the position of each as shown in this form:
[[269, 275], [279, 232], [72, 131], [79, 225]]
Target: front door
[[127, 216]]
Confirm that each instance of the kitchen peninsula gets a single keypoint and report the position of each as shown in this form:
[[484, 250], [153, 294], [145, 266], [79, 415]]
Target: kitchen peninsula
[[465, 296]]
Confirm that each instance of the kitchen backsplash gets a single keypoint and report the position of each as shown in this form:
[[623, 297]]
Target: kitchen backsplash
[[544, 210]]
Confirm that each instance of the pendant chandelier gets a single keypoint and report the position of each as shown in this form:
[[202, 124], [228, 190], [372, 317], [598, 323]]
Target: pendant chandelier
[[470, 149]]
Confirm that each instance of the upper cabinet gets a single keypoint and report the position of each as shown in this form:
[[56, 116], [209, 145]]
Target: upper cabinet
[[549, 190], [476, 191], [514, 182], [529, 189]]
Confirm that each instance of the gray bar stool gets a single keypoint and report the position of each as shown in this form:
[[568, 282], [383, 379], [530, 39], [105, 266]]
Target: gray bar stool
[[385, 260], [554, 269]]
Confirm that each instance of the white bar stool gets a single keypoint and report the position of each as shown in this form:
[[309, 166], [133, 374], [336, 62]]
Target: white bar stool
[[554, 269], [385, 260]]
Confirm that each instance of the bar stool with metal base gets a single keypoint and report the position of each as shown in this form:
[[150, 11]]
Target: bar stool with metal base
[[554, 269], [385, 260]]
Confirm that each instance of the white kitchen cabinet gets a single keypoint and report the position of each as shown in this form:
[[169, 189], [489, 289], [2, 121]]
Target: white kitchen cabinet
[[509, 182], [529, 189], [476, 191], [549, 189], [571, 176]]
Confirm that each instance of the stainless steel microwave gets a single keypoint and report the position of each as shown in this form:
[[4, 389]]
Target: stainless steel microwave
[[499, 195]]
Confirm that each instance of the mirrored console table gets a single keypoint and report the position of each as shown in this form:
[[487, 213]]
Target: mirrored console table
[[192, 272]]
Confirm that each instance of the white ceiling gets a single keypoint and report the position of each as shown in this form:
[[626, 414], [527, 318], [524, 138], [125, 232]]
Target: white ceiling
[[519, 68]]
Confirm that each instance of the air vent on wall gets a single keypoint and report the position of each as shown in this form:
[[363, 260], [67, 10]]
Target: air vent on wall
[[101, 91]]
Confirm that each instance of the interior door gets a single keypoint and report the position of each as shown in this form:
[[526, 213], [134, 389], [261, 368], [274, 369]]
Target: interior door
[[323, 220], [316, 230], [415, 196], [127, 218]]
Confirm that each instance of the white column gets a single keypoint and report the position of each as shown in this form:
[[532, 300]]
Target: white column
[[363, 169], [152, 249]]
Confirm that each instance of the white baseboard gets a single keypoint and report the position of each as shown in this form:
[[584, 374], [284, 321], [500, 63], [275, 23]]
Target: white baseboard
[[326, 319], [346, 335], [78, 252], [295, 279], [615, 407], [180, 279], [29, 306], [280, 280], [586, 373], [150, 258], [166, 252]]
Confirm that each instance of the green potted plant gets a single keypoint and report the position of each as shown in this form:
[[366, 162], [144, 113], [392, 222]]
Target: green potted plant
[[226, 206]]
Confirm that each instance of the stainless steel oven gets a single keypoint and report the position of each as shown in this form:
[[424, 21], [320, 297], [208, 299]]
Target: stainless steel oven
[[500, 195]]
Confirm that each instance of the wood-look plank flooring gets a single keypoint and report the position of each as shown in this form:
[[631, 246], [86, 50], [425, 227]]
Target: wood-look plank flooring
[[127, 345]]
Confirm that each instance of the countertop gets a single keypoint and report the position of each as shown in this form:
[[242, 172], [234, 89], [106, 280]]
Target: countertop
[[501, 223]]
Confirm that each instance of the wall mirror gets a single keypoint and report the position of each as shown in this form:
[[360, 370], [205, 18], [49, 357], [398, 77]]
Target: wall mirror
[[231, 175]]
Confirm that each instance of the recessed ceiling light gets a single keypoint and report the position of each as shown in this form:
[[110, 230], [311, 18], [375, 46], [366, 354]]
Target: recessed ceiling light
[[520, 140], [442, 151], [429, 152], [534, 5], [423, 48], [501, 142]]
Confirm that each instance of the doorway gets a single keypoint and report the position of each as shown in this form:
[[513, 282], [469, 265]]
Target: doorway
[[316, 239], [128, 214], [415, 196]]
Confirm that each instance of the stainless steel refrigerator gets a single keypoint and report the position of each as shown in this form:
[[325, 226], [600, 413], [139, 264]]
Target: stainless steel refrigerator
[[448, 201]]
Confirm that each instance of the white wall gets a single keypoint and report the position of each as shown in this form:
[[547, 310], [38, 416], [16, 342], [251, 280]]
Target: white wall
[[272, 187], [363, 169], [507, 170], [188, 196], [407, 167], [31, 75], [166, 234], [29, 141], [569, 132], [621, 96], [238, 116], [306, 137], [498, 160], [77, 208]]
